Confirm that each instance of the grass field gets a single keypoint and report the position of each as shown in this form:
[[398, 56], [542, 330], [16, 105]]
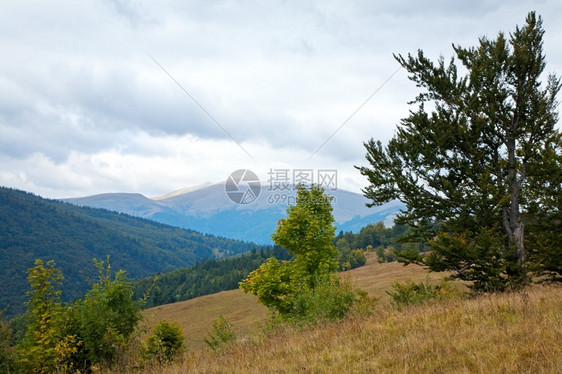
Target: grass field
[[519, 332], [503, 333], [243, 311]]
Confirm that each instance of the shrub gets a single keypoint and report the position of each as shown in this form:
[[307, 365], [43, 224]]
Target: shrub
[[7, 350], [165, 343], [385, 254], [108, 316], [330, 299], [221, 335], [412, 293]]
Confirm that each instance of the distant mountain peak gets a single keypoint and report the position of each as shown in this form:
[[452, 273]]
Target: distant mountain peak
[[183, 190], [207, 208]]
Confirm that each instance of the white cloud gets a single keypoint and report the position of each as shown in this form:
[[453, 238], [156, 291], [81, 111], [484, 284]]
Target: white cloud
[[84, 109]]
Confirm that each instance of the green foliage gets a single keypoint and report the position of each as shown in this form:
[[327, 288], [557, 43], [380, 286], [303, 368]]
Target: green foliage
[[94, 332], [274, 285], [221, 334], [45, 347], [357, 258], [349, 258], [308, 233], [481, 170], [108, 316], [385, 254], [305, 289], [371, 235], [386, 241], [545, 230], [165, 343], [8, 358], [33, 228], [204, 278], [331, 299], [18, 325], [412, 293]]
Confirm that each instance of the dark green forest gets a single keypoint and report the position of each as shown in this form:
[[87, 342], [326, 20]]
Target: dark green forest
[[205, 278], [187, 262], [212, 276], [385, 241], [35, 228]]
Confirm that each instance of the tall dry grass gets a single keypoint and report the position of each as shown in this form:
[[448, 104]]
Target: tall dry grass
[[517, 332], [195, 316]]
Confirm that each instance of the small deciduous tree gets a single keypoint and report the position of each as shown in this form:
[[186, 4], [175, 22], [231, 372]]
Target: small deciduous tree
[[108, 315], [293, 289], [46, 345], [480, 171], [308, 233]]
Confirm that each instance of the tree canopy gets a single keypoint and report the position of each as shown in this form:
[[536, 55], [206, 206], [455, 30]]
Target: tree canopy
[[308, 232], [305, 288], [478, 164]]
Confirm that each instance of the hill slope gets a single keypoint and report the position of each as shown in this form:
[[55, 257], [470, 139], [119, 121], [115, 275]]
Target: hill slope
[[242, 310], [32, 227], [208, 209], [204, 278], [500, 333]]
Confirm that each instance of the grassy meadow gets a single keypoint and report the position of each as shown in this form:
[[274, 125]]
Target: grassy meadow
[[519, 332], [243, 311]]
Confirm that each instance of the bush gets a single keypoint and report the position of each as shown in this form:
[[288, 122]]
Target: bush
[[165, 343], [330, 299], [108, 316], [412, 293], [221, 335], [7, 350]]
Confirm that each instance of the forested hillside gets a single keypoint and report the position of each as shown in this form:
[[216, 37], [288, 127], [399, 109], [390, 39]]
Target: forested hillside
[[35, 228], [212, 276], [205, 278]]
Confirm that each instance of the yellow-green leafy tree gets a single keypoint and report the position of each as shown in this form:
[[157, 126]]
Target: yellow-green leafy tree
[[47, 344], [289, 288]]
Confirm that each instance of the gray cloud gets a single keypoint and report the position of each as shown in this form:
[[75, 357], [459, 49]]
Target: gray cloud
[[77, 85]]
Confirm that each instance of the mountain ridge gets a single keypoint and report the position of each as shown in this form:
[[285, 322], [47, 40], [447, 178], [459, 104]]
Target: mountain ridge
[[207, 208]]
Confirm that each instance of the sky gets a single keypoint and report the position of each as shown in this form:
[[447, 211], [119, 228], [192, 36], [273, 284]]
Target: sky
[[152, 96]]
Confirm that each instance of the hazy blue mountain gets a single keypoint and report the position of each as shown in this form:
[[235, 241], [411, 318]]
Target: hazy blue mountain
[[35, 228], [208, 209]]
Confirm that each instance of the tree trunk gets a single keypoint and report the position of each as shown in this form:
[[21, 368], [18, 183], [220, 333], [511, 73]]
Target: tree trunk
[[518, 241], [515, 229]]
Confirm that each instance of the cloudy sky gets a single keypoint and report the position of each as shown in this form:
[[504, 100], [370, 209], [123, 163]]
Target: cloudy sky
[[95, 95]]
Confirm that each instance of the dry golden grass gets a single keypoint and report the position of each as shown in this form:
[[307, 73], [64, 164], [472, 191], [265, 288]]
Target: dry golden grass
[[376, 278], [195, 316], [504, 333], [242, 310], [508, 333]]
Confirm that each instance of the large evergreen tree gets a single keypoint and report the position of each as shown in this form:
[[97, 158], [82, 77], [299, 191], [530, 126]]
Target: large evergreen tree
[[478, 163]]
